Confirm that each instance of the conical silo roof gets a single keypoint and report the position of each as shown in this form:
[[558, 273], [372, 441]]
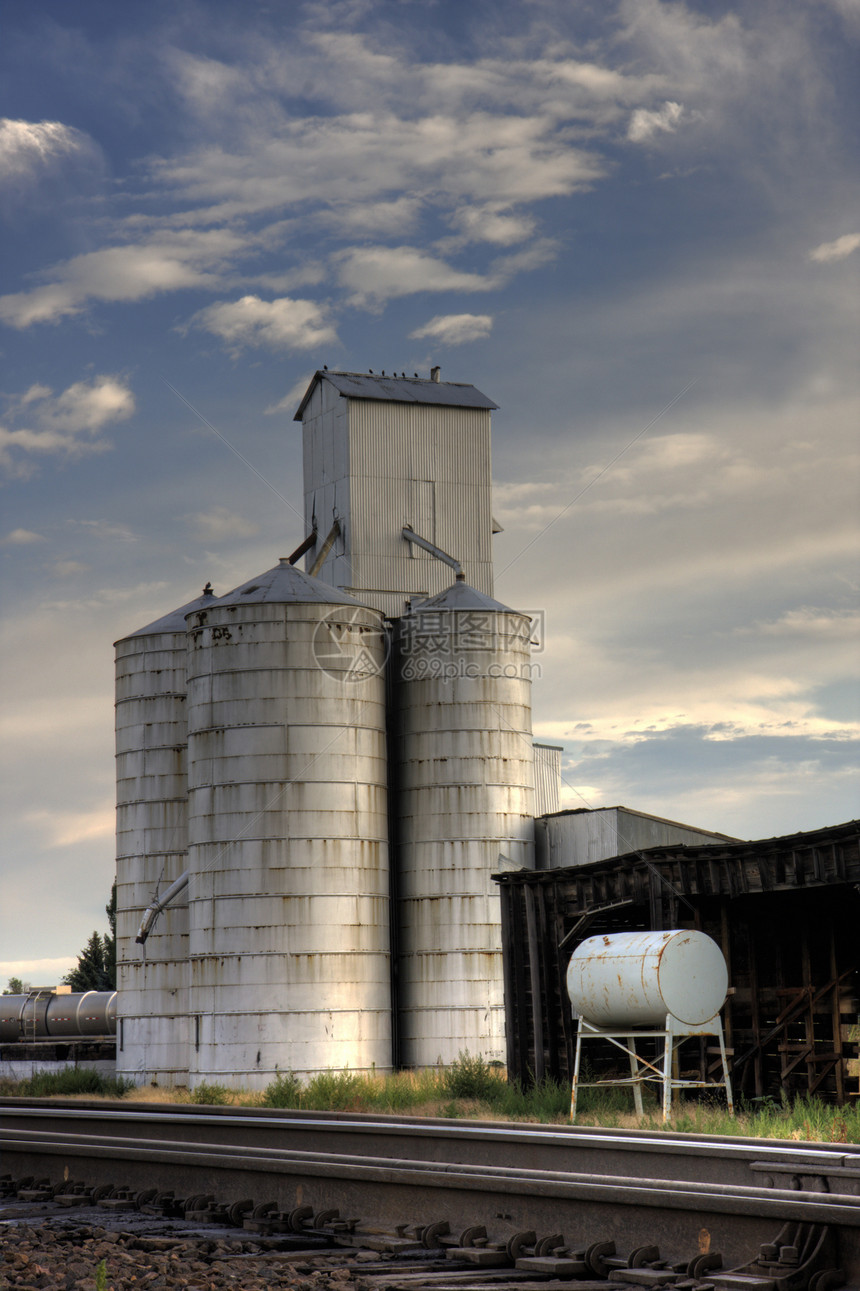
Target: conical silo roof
[[462, 596], [284, 585], [175, 620]]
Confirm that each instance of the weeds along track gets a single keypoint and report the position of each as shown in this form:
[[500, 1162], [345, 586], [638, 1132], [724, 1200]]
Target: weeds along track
[[493, 1201]]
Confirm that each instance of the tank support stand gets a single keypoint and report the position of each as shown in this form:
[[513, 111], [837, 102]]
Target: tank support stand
[[672, 1034]]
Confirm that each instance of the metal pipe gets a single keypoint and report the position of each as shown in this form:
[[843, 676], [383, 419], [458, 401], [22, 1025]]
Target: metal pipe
[[303, 547], [326, 548], [154, 910], [410, 535]]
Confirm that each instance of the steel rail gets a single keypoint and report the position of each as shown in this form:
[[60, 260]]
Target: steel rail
[[633, 1191], [628, 1187], [568, 1137]]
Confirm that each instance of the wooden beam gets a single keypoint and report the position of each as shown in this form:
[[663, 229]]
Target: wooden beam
[[507, 896], [534, 979]]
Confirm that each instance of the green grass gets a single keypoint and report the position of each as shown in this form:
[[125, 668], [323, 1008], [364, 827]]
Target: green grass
[[475, 1089], [474, 1078], [212, 1095], [71, 1080]]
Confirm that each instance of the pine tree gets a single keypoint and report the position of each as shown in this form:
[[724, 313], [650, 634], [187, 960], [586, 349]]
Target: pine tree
[[110, 939], [96, 966]]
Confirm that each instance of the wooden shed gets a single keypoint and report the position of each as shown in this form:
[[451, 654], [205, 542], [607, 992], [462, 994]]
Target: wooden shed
[[786, 913]]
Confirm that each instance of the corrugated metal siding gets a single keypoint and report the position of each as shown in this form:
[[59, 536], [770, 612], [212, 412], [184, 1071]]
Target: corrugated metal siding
[[379, 466], [151, 733], [326, 479], [581, 838], [466, 796], [288, 830], [547, 778], [428, 467]]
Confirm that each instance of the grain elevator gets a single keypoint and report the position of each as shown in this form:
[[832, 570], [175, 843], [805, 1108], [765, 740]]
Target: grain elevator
[[318, 771]]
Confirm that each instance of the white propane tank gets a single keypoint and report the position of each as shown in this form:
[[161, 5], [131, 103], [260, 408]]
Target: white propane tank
[[635, 978]]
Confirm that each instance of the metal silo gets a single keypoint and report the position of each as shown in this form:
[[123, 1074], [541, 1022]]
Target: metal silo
[[466, 799], [288, 833], [151, 797]]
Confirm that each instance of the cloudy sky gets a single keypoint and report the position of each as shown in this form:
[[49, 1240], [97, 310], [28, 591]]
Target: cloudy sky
[[633, 224]]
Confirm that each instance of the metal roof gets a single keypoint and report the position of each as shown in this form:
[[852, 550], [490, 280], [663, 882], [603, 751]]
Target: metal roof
[[361, 385], [643, 815], [286, 584], [175, 621], [738, 850], [461, 596]]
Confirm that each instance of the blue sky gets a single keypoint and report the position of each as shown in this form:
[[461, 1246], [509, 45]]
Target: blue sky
[[633, 225]]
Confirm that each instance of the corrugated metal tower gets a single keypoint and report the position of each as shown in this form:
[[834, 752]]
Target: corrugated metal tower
[[466, 800], [382, 453], [288, 833], [281, 959], [151, 800]]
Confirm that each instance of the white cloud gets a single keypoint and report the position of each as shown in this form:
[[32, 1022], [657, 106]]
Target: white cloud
[[27, 147], [849, 10], [39, 972], [106, 596], [472, 142], [219, 524], [813, 621], [292, 398], [538, 253], [125, 273], [455, 329], [734, 499], [837, 250], [35, 392], [644, 124], [206, 83], [309, 274], [68, 568], [396, 137], [490, 223], [380, 273], [65, 828], [362, 158], [378, 218], [694, 49], [58, 422], [107, 531], [87, 405], [282, 324], [758, 94], [550, 80], [21, 538]]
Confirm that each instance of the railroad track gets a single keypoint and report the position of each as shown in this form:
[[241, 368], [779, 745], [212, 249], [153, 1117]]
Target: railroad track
[[569, 1203]]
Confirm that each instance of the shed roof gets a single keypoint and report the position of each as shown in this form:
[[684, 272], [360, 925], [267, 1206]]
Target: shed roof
[[810, 857], [394, 389]]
